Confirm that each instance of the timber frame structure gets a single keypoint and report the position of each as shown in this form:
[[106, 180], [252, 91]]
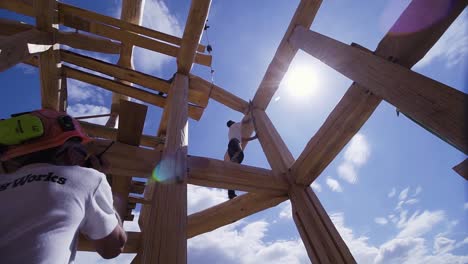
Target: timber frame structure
[[380, 75]]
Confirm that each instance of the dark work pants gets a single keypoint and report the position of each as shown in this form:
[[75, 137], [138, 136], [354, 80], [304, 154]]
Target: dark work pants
[[236, 155]]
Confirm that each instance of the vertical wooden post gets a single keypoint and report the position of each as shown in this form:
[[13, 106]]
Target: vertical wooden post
[[49, 61], [165, 228]]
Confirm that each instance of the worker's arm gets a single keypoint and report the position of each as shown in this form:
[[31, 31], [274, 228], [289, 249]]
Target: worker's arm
[[112, 245], [249, 138]]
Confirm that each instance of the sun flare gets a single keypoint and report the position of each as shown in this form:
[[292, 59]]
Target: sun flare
[[302, 82]]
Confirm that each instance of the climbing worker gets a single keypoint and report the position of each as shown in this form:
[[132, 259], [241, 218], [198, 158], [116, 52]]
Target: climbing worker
[[52, 190], [235, 152]]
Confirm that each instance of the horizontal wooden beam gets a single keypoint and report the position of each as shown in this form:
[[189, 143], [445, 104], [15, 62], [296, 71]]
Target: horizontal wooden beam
[[304, 15], [132, 245], [127, 160], [72, 39], [21, 46], [197, 95], [228, 175], [24, 7], [111, 133], [434, 105], [230, 211], [192, 32], [195, 112], [219, 94], [89, 15], [127, 37]]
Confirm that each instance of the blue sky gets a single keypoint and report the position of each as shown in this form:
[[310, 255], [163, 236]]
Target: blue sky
[[391, 192]]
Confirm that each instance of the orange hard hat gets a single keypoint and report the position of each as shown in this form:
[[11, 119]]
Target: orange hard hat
[[58, 128]]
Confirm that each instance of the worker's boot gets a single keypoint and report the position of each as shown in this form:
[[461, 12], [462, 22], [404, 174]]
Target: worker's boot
[[232, 194]]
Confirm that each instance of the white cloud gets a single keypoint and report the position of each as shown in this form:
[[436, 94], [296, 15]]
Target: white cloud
[[238, 243], [358, 151], [411, 201], [420, 224], [443, 245], [156, 16], [80, 91], [403, 194], [392, 193], [465, 206], [286, 210], [356, 154], [401, 251], [381, 220], [334, 185], [417, 191], [316, 186], [200, 198], [452, 47], [78, 110]]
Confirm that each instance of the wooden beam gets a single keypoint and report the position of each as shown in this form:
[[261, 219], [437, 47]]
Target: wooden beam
[[229, 212], [21, 46], [49, 61], [228, 175], [127, 37], [132, 245], [304, 15], [406, 46], [193, 30], [354, 109], [195, 112], [165, 226], [358, 104], [111, 133], [24, 7], [88, 42], [278, 155], [219, 94], [436, 106], [462, 169], [126, 160], [321, 239], [125, 24], [197, 95], [131, 122], [11, 27]]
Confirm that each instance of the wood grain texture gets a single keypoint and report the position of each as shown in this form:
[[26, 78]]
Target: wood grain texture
[[230, 212], [17, 48], [228, 175], [462, 169], [304, 15], [165, 225], [195, 112], [193, 30], [432, 104]]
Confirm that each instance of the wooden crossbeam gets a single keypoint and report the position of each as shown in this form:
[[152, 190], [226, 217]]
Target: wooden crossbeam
[[124, 36], [229, 212], [132, 245], [228, 175], [198, 95], [72, 39], [21, 46], [192, 33], [304, 15], [123, 24], [357, 104], [436, 106], [195, 112], [49, 61], [127, 160], [321, 239], [165, 226], [24, 7], [462, 169], [111, 133], [219, 94]]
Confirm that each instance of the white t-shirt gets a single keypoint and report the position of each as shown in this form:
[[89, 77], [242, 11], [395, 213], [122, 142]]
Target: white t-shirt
[[235, 131], [44, 207]]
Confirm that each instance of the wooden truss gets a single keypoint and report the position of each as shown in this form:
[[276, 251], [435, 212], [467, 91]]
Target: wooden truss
[[380, 75]]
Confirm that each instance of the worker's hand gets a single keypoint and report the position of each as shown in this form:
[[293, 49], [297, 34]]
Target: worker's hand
[[100, 164]]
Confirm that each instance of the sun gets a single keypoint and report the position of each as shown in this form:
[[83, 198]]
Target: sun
[[302, 82]]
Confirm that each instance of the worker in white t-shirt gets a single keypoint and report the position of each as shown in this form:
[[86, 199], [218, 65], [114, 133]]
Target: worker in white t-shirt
[[235, 152], [52, 191]]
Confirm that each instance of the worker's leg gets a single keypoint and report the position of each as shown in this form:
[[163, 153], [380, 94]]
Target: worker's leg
[[236, 155]]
